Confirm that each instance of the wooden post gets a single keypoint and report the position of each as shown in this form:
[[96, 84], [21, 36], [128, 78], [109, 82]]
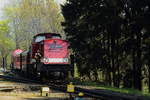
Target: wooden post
[[4, 63]]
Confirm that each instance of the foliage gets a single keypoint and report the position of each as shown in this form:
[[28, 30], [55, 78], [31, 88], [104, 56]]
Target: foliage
[[29, 17], [111, 36], [6, 42]]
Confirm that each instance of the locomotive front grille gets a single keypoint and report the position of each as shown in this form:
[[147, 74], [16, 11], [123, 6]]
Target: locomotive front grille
[[55, 67]]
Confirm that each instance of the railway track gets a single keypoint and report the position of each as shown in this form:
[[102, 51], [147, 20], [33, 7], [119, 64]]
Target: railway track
[[19, 79], [100, 94], [92, 93]]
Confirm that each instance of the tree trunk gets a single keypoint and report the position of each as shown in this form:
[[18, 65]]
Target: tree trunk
[[113, 58], [4, 63], [149, 67], [138, 60], [109, 61]]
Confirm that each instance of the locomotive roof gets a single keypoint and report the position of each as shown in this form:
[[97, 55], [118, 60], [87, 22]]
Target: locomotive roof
[[45, 34]]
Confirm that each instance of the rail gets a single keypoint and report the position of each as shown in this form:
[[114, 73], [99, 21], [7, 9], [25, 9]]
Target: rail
[[19, 79]]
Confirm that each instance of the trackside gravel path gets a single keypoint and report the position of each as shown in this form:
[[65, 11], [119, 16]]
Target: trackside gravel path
[[13, 90]]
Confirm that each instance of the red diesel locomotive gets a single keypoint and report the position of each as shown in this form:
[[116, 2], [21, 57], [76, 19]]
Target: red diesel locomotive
[[48, 56]]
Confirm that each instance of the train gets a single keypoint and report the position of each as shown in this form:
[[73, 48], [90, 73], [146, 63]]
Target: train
[[47, 57]]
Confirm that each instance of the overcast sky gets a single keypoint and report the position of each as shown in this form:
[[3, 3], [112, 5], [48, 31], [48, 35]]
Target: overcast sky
[[4, 2], [60, 1], [2, 5]]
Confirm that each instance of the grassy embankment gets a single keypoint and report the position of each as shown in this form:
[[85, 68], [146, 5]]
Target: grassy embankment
[[121, 90], [100, 86]]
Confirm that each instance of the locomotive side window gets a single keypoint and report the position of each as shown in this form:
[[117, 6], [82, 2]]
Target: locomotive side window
[[39, 38]]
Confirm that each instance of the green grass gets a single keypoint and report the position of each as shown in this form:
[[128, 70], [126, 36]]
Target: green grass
[[121, 90]]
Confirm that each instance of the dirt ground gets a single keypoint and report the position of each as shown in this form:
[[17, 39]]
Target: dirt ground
[[31, 96], [28, 98], [11, 90]]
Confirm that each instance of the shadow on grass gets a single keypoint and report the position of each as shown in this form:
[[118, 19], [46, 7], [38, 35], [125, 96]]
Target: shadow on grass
[[58, 99], [46, 98]]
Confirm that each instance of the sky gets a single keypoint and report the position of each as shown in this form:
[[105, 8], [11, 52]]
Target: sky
[[60, 1], [2, 5], [4, 2]]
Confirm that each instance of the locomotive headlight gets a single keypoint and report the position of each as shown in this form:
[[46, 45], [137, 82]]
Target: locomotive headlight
[[44, 60]]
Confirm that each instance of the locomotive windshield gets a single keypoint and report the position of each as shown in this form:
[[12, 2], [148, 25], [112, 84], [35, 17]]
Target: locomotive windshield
[[42, 37], [39, 38], [54, 36]]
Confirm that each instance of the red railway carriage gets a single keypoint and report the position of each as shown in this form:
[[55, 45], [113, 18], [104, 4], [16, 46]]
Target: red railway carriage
[[47, 55], [16, 58]]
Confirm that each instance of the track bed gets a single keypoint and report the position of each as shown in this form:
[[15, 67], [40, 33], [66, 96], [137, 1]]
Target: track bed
[[13, 88]]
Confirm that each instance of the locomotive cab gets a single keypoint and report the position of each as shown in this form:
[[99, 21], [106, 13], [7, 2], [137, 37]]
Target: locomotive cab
[[38, 41]]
